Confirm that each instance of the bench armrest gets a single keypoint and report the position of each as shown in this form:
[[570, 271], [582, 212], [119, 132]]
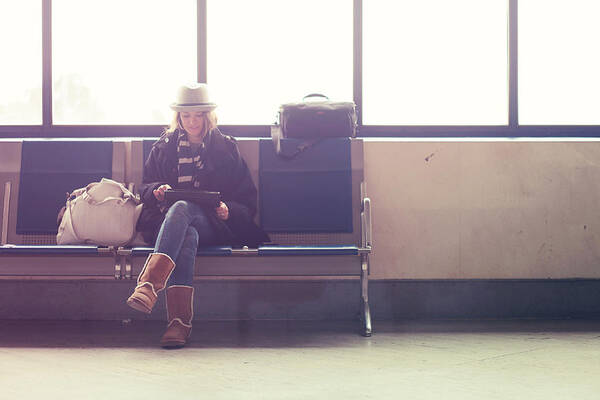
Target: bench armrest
[[5, 211], [367, 228]]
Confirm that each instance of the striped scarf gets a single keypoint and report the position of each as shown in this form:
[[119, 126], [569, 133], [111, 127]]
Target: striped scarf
[[190, 163]]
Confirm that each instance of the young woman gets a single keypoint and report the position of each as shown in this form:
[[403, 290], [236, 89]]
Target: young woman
[[191, 154]]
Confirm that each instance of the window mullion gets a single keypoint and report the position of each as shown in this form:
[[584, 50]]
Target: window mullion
[[202, 43], [46, 63], [357, 90], [513, 43]]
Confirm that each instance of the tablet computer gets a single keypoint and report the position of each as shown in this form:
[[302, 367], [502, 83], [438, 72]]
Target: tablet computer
[[201, 197]]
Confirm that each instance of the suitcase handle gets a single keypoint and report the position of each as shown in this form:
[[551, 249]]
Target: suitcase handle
[[315, 95]]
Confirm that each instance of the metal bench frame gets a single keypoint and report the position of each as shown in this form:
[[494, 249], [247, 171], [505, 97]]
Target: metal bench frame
[[262, 261]]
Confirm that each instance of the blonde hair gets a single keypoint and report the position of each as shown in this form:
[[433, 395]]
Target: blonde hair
[[210, 122]]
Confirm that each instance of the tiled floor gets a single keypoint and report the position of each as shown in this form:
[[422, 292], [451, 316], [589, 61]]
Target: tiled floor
[[302, 360]]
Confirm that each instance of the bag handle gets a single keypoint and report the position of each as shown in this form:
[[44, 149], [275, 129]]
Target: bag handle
[[126, 194], [276, 137], [315, 95], [119, 200]]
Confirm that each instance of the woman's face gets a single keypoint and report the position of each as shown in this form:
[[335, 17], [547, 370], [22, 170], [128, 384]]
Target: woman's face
[[193, 122]]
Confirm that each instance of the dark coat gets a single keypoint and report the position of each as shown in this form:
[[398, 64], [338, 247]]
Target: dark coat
[[225, 171]]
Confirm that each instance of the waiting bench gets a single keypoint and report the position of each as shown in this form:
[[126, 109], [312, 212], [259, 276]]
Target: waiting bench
[[37, 174], [336, 242]]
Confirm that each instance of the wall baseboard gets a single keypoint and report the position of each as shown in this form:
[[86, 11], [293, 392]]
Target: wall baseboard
[[486, 298]]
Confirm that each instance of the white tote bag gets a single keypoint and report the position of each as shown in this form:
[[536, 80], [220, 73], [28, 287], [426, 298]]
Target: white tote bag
[[102, 213]]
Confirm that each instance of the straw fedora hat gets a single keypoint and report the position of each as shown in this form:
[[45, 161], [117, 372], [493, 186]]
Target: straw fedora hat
[[193, 97]]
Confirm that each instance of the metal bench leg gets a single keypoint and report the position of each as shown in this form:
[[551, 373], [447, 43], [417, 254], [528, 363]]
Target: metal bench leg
[[118, 263], [127, 267], [122, 267], [364, 283]]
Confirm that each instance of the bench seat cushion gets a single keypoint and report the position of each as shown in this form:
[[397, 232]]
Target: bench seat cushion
[[337, 250], [55, 168], [310, 193], [47, 250], [202, 251]]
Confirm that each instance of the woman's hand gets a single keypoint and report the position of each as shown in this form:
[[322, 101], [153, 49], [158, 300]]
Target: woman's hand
[[159, 192], [222, 211]]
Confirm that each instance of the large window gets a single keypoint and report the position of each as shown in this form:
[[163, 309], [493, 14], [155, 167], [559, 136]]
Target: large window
[[559, 62], [262, 53], [120, 62], [416, 68], [21, 65], [435, 62]]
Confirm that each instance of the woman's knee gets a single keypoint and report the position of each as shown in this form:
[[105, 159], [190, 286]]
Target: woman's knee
[[180, 209]]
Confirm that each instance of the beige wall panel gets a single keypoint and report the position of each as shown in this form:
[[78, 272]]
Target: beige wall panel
[[492, 209], [415, 208]]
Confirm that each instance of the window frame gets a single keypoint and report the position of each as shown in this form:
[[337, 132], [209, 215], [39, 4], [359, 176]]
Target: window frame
[[512, 130]]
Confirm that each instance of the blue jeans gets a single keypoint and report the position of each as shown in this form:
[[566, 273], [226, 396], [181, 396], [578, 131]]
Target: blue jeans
[[185, 227]]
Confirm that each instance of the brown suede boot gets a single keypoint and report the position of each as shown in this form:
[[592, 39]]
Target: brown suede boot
[[180, 310], [152, 279]]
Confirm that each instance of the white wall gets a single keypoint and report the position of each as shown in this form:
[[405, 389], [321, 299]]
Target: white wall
[[484, 209]]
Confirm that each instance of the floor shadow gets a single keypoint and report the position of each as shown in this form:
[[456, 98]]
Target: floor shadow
[[259, 333], [205, 334]]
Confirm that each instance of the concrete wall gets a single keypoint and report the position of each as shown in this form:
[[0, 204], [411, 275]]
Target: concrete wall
[[459, 209]]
